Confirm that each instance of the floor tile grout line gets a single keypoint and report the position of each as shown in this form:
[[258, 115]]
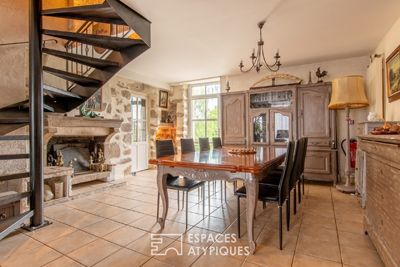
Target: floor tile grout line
[[337, 230], [301, 223]]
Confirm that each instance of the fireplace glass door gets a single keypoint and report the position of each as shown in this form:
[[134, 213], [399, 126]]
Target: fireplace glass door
[[139, 134]]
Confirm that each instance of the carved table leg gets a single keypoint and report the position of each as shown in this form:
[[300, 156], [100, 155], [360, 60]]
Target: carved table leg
[[162, 189], [252, 198]]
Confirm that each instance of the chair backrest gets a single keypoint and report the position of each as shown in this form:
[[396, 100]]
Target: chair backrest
[[217, 143], [297, 164], [304, 152], [287, 171], [187, 145], [204, 144], [164, 148]]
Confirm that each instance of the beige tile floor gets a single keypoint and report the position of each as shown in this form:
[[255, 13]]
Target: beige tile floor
[[113, 228]]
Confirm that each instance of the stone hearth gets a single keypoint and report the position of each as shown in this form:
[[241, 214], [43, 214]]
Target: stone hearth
[[79, 138]]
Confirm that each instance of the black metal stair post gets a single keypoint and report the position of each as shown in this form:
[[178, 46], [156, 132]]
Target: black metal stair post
[[36, 112]]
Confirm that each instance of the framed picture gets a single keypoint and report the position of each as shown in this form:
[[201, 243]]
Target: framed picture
[[393, 75], [94, 102], [163, 99]]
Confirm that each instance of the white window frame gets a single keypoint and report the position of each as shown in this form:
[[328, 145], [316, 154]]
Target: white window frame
[[191, 98]]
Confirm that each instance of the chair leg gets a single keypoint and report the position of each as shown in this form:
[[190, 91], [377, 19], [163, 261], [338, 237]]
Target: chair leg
[[299, 187], [158, 206], [209, 197], [187, 208], [198, 194], [288, 213], [183, 199], [225, 191], [302, 178], [238, 216], [204, 199], [222, 197], [264, 205], [179, 192], [280, 226], [294, 201]]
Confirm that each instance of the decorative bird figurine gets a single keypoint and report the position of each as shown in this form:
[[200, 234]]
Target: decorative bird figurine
[[320, 74]]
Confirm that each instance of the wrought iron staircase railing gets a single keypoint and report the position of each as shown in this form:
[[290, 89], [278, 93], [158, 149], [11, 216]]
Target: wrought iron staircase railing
[[87, 70], [79, 48]]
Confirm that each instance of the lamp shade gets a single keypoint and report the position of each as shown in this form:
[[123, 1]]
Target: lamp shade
[[348, 92]]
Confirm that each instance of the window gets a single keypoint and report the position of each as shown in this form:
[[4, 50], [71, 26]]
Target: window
[[204, 110]]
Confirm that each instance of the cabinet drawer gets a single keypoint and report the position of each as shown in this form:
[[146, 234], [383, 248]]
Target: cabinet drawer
[[318, 162], [386, 151]]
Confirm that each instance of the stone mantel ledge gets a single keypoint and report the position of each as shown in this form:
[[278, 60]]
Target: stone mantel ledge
[[59, 125]]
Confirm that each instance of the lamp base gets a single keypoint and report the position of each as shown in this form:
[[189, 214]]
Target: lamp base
[[346, 188]]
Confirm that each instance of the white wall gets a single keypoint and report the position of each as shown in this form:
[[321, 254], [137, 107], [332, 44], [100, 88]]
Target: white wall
[[335, 68], [388, 44]]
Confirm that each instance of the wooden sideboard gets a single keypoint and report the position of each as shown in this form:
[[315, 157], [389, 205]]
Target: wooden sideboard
[[249, 117], [382, 216]]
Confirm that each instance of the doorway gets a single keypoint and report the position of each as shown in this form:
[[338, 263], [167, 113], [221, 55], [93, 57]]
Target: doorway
[[139, 134]]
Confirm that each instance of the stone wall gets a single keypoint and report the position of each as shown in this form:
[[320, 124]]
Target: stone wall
[[116, 99], [179, 105], [116, 104]]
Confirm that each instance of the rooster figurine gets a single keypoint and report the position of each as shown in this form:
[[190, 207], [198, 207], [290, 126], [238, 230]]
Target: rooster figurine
[[320, 74]]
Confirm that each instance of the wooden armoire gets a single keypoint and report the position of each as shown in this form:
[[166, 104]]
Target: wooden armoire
[[273, 115]]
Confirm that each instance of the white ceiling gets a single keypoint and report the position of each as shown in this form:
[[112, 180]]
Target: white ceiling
[[195, 39]]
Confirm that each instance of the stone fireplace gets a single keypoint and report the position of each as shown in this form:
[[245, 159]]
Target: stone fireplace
[[83, 144]]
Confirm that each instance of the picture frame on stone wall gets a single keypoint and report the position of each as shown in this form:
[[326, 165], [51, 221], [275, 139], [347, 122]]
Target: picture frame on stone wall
[[393, 75], [163, 99]]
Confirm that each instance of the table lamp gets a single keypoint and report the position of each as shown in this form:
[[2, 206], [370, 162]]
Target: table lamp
[[348, 93]]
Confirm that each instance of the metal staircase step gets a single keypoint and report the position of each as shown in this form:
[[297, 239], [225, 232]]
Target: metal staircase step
[[14, 138], [9, 225], [13, 198], [14, 156], [8, 128], [14, 117], [75, 78], [45, 106], [113, 43], [59, 92], [25, 105], [99, 13], [89, 61], [14, 176]]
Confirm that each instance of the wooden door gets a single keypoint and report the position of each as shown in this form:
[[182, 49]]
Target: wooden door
[[316, 121], [233, 118], [139, 134]]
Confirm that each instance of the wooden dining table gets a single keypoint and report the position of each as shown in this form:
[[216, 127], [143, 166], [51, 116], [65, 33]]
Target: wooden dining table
[[220, 164]]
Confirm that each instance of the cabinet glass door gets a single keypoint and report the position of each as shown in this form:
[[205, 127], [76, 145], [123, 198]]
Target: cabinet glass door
[[259, 128], [281, 131]]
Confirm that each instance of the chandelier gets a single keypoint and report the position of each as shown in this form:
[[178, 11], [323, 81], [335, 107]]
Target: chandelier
[[259, 60]]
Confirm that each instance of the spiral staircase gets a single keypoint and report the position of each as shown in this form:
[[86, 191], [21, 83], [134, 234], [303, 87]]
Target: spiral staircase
[[91, 58]]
